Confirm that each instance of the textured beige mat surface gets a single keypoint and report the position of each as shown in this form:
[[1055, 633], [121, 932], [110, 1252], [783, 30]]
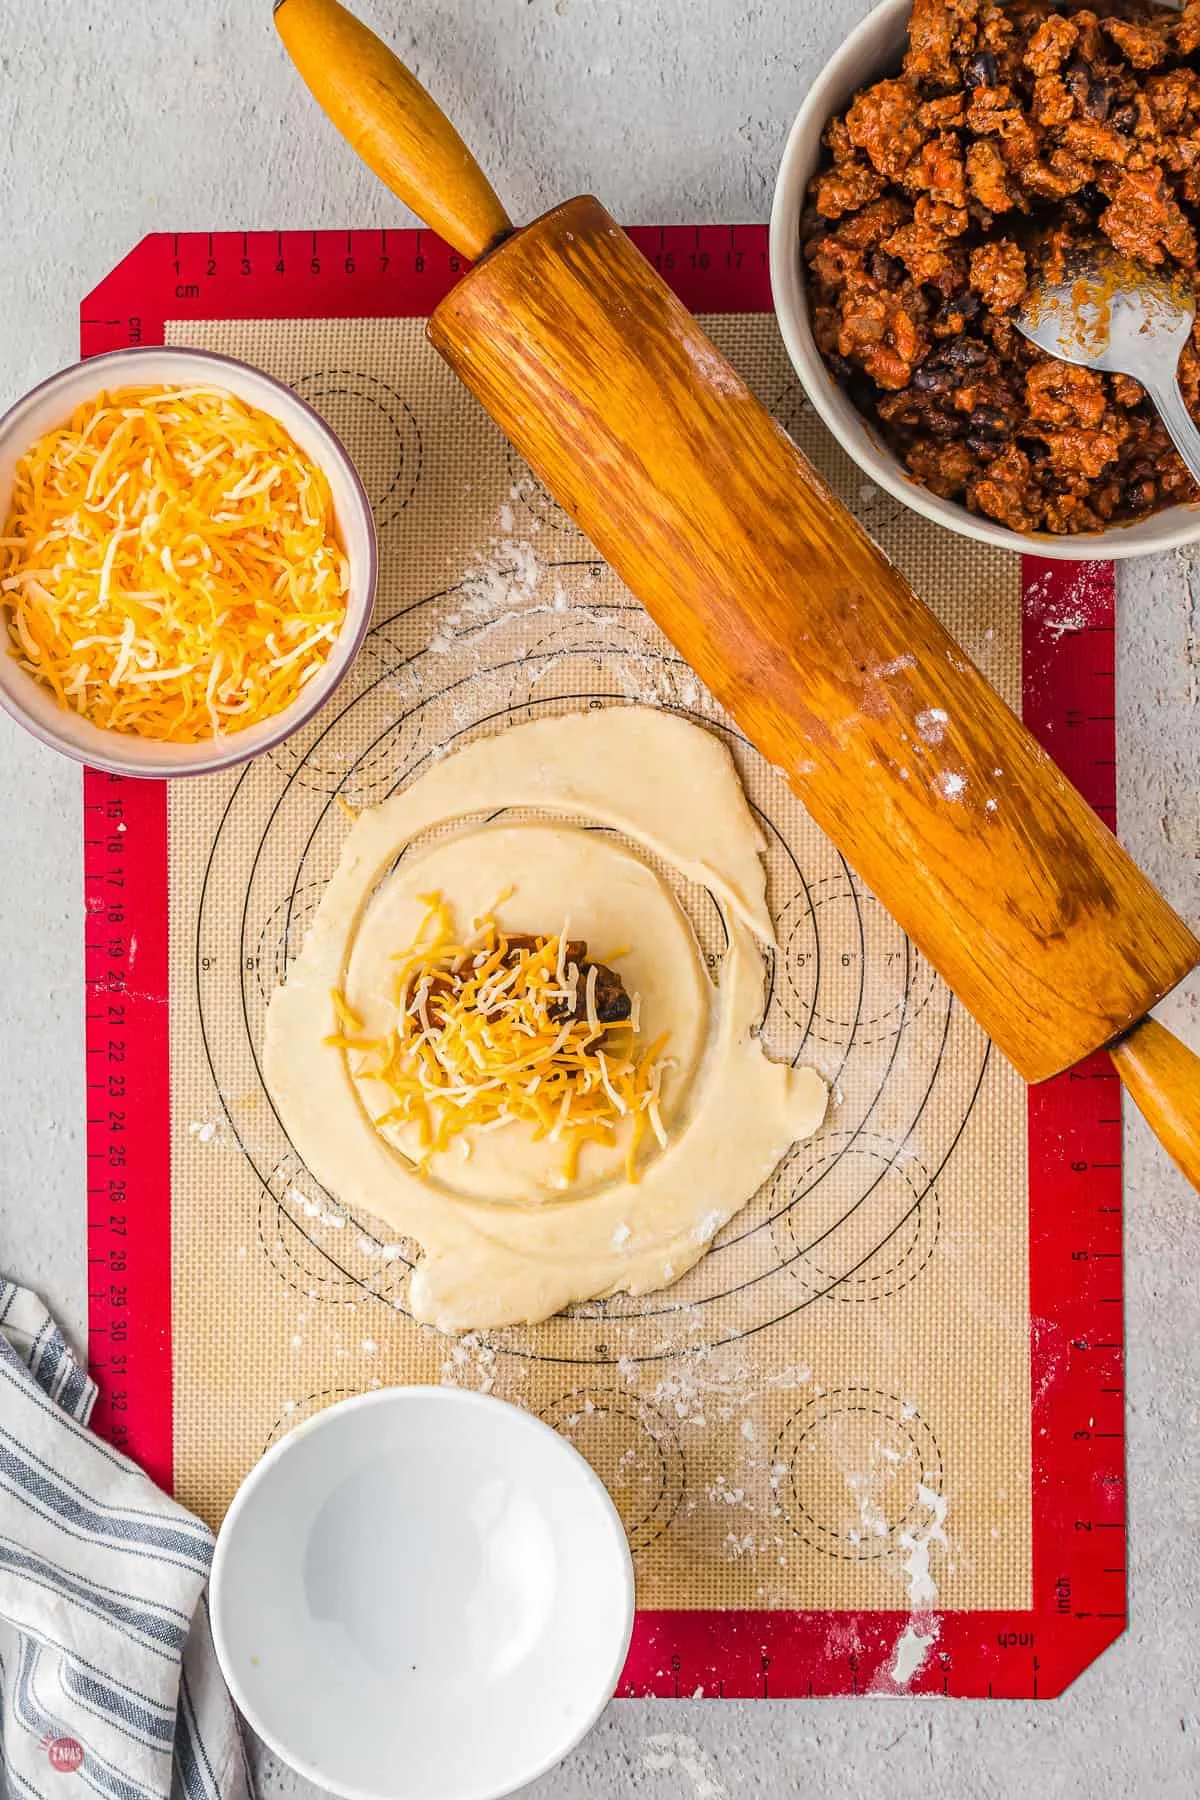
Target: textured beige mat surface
[[843, 1383]]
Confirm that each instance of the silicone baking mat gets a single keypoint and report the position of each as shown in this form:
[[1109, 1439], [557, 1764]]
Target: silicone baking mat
[[874, 1441]]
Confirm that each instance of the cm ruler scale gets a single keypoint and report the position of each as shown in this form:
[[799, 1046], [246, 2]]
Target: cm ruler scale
[[1074, 1122], [369, 274]]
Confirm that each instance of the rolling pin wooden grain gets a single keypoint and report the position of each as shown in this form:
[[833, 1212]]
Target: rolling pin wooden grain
[[808, 636]]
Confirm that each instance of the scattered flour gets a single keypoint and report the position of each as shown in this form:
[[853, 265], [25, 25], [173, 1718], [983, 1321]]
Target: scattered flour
[[950, 784], [497, 588], [924, 1627], [931, 724], [912, 1647], [1080, 603], [371, 1247], [470, 1364], [793, 1376], [667, 1751], [922, 1587], [712, 367]]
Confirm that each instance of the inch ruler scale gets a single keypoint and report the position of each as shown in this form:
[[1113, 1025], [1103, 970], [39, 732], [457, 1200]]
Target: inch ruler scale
[[128, 1113], [1076, 1349]]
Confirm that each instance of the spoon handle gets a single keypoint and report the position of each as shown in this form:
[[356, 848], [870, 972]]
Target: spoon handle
[[1184, 432]]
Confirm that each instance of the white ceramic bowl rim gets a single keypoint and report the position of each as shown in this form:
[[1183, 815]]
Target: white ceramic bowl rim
[[870, 50], [345, 646], [399, 1395]]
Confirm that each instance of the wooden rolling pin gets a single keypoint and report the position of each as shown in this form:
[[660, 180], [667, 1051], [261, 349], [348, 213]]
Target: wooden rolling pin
[[814, 644]]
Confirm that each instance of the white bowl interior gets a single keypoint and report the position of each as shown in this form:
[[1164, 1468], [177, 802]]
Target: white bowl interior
[[871, 51], [54, 401], [423, 1594]]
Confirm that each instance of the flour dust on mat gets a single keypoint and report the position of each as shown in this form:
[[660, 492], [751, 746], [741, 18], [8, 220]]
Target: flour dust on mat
[[860, 1329]]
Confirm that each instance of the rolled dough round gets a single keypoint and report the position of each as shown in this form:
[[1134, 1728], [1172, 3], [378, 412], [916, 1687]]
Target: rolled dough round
[[501, 1245]]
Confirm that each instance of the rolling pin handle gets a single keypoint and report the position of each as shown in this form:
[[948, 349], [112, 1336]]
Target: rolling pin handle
[[386, 115], [1162, 1076]]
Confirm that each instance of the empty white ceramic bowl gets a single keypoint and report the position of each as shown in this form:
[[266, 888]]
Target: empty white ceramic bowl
[[55, 400], [422, 1594], [872, 50]]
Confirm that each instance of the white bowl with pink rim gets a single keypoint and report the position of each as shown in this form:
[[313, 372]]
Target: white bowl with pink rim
[[422, 1593], [52, 402], [872, 51]]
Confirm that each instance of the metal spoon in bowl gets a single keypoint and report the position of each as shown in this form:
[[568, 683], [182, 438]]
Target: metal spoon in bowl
[[1115, 315]]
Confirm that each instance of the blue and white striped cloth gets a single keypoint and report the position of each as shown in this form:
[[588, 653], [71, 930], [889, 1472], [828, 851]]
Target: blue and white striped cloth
[[107, 1669]]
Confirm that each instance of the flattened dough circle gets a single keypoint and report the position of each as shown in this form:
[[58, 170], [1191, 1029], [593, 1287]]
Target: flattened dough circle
[[489, 1260]]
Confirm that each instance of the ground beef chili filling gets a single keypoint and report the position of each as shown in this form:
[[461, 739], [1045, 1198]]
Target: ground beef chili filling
[[1012, 134]]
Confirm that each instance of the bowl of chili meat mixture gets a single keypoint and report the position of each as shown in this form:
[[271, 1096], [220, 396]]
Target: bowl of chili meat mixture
[[950, 150]]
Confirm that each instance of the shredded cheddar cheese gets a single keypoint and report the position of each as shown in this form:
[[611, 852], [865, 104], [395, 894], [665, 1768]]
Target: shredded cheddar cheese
[[169, 565], [490, 1033]]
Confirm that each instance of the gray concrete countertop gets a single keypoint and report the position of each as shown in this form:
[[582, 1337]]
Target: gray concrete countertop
[[135, 117]]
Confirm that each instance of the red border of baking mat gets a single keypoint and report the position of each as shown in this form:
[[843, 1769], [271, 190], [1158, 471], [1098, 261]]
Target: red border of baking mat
[[1074, 1121]]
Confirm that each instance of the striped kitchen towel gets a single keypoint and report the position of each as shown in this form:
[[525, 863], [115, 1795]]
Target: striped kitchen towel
[[107, 1668]]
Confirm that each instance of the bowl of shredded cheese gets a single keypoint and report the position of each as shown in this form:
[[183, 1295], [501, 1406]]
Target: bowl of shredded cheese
[[187, 562]]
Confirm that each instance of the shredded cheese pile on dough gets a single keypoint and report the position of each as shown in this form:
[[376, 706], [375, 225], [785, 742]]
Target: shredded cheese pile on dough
[[488, 1034], [169, 564]]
